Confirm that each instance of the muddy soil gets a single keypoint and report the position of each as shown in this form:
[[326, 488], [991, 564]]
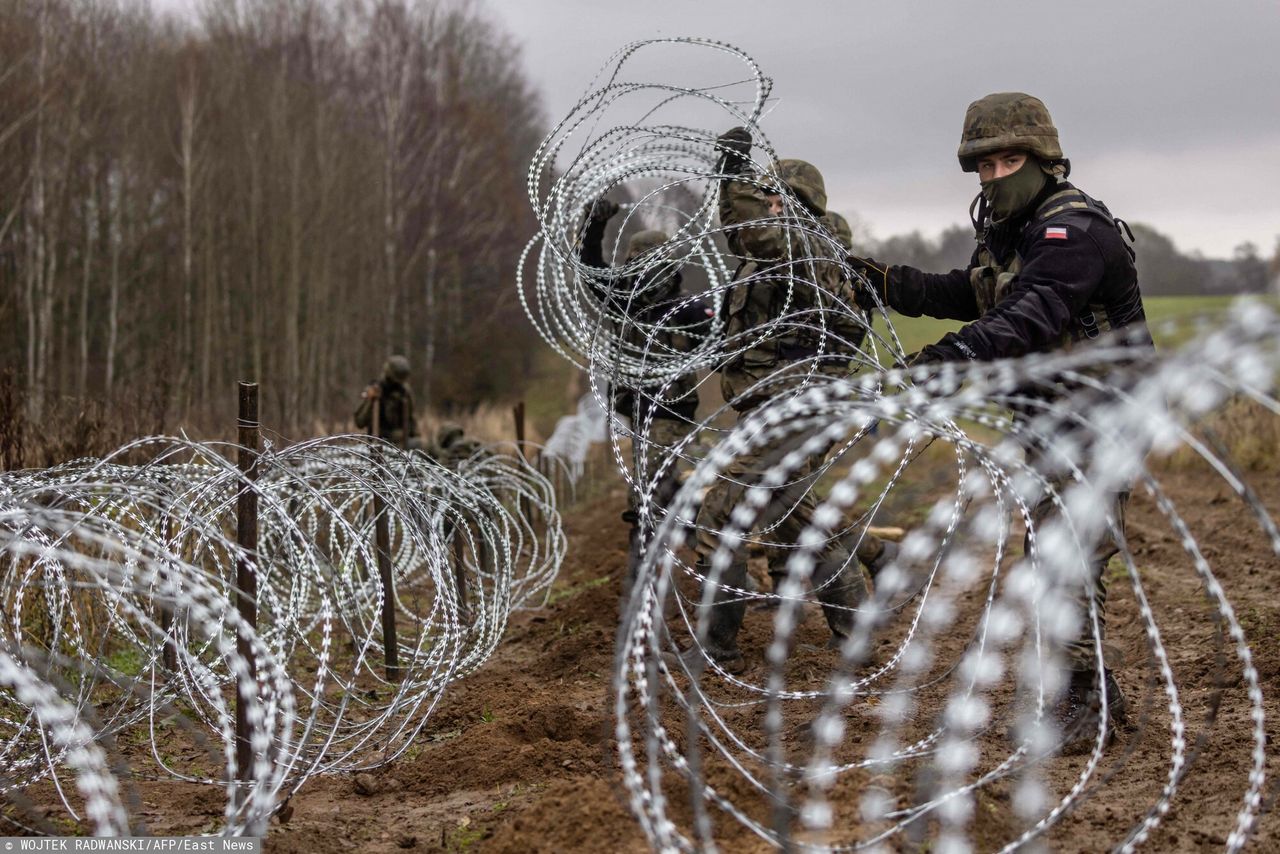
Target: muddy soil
[[519, 756]]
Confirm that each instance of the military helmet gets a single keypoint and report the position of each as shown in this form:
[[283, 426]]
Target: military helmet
[[804, 179], [448, 434], [642, 242], [396, 368], [1007, 120], [840, 230]]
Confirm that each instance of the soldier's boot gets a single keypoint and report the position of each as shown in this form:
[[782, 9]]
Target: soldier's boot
[[875, 554], [772, 603], [841, 588], [723, 624], [635, 550], [1078, 712]]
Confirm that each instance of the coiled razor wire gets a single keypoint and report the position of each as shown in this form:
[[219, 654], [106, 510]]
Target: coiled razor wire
[[841, 751], [118, 612]]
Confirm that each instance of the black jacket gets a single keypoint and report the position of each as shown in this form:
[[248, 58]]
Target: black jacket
[[690, 320], [1074, 262]]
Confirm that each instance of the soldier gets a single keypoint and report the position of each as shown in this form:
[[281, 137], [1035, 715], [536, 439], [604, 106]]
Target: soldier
[[782, 272], [848, 337], [1051, 270], [451, 445], [396, 422], [652, 300]]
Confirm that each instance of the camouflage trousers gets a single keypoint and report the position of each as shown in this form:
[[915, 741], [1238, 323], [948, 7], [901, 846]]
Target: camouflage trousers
[[837, 579], [866, 548], [663, 436], [1079, 653]]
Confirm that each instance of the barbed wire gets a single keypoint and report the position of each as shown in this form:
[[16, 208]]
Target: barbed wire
[[119, 610], [943, 688]]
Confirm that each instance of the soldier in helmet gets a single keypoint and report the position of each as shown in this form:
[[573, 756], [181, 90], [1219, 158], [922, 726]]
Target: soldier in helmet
[[665, 320], [783, 272], [1051, 270], [847, 337], [452, 446], [396, 422]]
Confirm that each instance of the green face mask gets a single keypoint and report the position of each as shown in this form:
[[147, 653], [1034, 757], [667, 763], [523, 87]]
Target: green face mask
[[1009, 195]]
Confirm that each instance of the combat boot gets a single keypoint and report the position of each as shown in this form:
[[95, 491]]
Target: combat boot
[[1077, 713], [887, 554], [841, 588], [728, 660], [772, 603], [724, 622]]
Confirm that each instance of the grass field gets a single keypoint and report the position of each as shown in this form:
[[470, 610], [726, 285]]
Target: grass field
[[1167, 317]]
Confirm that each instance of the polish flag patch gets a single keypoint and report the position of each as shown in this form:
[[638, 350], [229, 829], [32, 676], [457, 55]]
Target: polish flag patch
[[1056, 232]]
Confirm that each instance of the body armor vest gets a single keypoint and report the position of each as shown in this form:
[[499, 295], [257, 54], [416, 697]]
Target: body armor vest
[[762, 298], [991, 279]]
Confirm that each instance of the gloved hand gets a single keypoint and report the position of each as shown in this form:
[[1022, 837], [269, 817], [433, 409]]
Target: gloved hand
[[734, 146], [877, 279], [930, 354], [601, 210]]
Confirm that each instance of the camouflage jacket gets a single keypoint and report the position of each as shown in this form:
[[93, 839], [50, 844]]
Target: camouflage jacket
[[396, 422], [788, 272]]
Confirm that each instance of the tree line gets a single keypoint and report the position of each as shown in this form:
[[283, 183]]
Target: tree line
[[284, 191]]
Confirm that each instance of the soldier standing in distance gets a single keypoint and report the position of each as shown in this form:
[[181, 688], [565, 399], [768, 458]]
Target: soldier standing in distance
[[396, 421], [1051, 271]]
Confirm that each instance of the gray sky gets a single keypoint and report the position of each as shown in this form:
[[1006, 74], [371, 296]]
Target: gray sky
[[1169, 111]]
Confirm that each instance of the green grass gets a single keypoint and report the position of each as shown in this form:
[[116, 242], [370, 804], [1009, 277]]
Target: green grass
[[127, 661], [546, 397], [560, 594], [916, 332]]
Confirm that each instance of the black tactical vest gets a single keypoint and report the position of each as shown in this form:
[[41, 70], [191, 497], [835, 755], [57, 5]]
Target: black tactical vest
[[991, 279]]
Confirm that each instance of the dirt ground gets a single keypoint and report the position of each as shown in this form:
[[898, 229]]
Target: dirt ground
[[519, 756]]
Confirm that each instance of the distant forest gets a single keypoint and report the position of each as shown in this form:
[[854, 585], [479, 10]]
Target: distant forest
[[290, 191], [280, 190]]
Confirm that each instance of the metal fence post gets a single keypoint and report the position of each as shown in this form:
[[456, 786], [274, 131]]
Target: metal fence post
[[246, 571], [382, 551]]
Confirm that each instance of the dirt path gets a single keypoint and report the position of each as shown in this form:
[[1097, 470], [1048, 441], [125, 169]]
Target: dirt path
[[519, 757]]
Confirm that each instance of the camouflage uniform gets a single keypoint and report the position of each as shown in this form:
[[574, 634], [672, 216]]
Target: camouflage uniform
[[396, 421], [671, 419], [848, 338], [768, 285], [451, 446]]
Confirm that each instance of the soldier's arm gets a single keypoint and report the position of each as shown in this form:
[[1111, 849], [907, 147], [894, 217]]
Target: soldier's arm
[[947, 296], [1057, 279], [591, 252], [364, 412]]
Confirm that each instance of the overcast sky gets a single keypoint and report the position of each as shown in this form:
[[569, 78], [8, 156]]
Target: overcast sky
[[1169, 111]]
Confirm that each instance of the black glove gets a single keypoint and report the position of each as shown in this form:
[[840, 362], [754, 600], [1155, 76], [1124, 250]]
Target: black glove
[[876, 276], [601, 210], [734, 146], [930, 354]]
